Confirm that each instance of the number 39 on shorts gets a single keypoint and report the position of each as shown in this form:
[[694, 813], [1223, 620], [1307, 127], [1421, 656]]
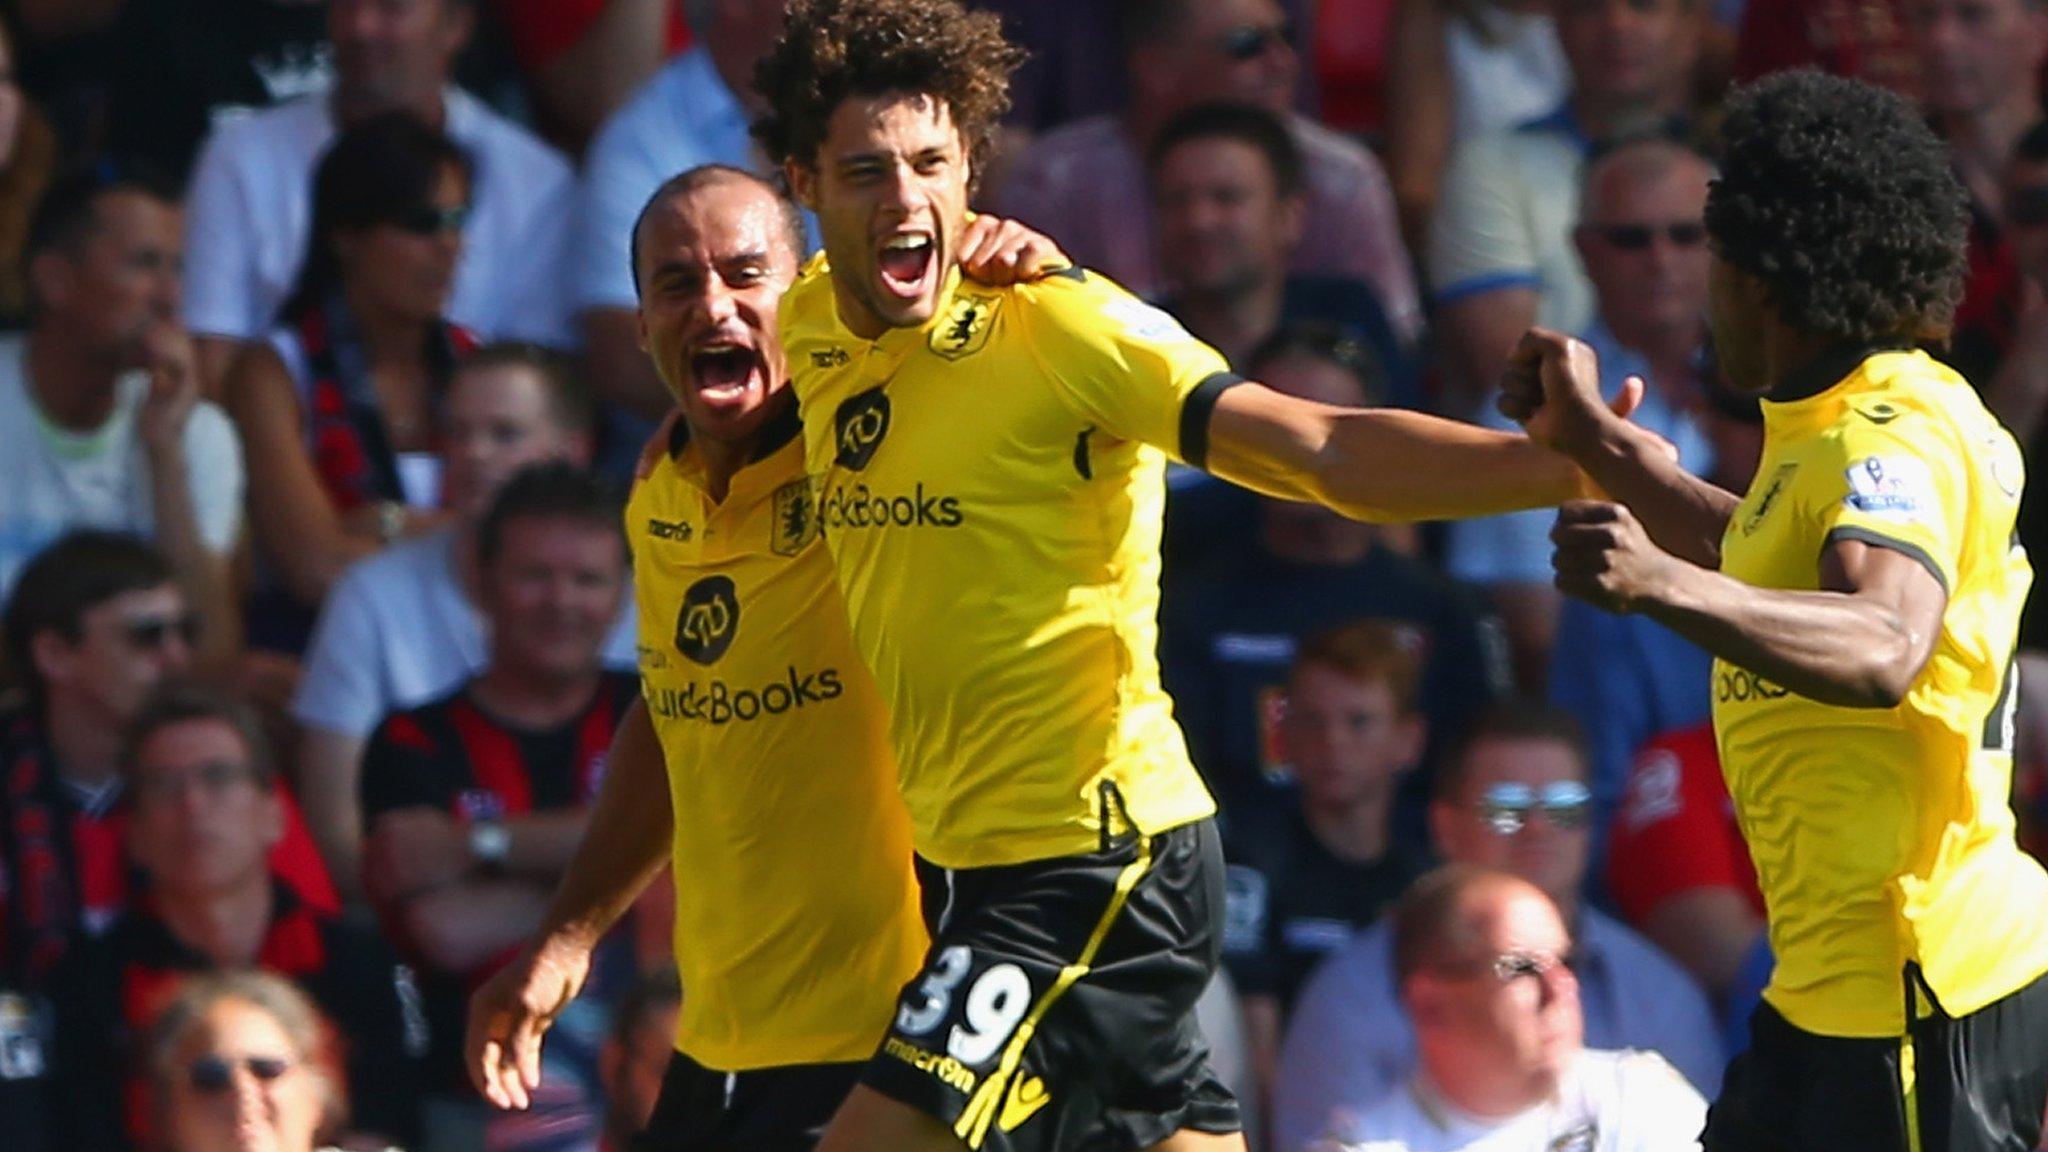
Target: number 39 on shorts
[[981, 1014]]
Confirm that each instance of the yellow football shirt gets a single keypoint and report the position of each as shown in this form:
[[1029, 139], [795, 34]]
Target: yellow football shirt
[[796, 908], [991, 486], [1884, 837]]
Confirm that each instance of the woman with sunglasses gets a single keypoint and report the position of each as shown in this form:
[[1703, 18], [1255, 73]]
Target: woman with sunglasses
[[241, 1061], [339, 406]]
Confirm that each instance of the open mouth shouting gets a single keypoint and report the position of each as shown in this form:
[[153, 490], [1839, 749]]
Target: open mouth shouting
[[729, 375], [907, 265]]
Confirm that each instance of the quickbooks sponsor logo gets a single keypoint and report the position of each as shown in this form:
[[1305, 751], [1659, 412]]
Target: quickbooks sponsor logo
[[1740, 685], [717, 702], [861, 507]]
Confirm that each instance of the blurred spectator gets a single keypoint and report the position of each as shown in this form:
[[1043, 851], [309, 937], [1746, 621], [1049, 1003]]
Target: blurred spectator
[[203, 805], [177, 69], [473, 804], [402, 627], [243, 1060], [1864, 39], [2018, 393], [1629, 678], [251, 196], [1483, 963], [1457, 69], [1228, 628], [1349, 1042], [636, 1054], [583, 58], [1085, 182], [337, 405], [1500, 255], [1304, 876], [1681, 874], [1642, 241], [695, 111], [101, 422], [28, 157], [1227, 199], [1980, 79]]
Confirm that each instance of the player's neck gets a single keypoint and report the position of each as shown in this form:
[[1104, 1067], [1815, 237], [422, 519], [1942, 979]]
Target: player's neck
[[722, 461], [1354, 833], [1787, 351], [533, 699], [227, 925], [86, 747]]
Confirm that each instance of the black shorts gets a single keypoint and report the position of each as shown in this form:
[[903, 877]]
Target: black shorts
[[1977, 1084], [762, 1110], [1055, 1009]]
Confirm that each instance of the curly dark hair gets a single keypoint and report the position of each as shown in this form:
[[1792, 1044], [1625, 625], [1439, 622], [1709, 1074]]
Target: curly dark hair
[[833, 49], [1839, 198]]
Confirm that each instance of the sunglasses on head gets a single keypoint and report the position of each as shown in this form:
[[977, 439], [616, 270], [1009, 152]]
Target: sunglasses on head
[[1506, 807], [151, 633], [2027, 207], [1252, 41], [211, 1075], [1638, 237], [428, 220]]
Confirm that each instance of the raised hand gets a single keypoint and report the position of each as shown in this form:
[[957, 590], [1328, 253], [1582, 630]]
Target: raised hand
[[1001, 252]]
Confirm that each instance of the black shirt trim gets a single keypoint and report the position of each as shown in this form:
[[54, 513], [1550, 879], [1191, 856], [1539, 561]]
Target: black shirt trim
[[1195, 412], [1830, 368]]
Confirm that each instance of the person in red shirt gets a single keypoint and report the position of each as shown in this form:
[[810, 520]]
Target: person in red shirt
[[1864, 39]]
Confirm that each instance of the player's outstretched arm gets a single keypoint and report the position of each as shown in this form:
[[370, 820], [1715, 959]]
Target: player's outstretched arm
[[1380, 464], [622, 851], [1859, 642], [1552, 388]]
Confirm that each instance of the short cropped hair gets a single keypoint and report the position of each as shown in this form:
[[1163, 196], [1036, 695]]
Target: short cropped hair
[[1368, 652], [1248, 124], [1839, 198], [1427, 923], [691, 180], [175, 702], [68, 212], [552, 489], [71, 577], [1513, 718], [1321, 340], [570, 402], [832, 50]]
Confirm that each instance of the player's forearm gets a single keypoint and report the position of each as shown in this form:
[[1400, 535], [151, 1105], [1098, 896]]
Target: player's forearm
[[625, 842], [1381, 464], [1684, 514], [1830, 647]]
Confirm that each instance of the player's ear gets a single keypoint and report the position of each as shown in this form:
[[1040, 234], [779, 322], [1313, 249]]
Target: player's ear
[[803, 182]]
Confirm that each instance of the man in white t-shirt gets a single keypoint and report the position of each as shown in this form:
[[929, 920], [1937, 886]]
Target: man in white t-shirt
[[251, 196], [400, 628], [1483, 963], [101, 424], [696, 110]]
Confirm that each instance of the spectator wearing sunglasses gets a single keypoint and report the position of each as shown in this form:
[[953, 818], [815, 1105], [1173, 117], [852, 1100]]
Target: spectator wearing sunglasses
[[253, 183], [1513, 797], [1642, 242], [204, 810], [1085, 181], [1500, 252], [1484, 966], [340, 405], [101, 421], [240, 1060]]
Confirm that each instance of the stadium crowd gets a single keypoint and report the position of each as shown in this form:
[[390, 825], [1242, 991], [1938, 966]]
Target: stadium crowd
[[321, 389]]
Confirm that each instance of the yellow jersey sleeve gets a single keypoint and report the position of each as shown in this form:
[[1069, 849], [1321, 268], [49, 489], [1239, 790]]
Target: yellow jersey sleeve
[[1898, 485], [1123, 365]]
